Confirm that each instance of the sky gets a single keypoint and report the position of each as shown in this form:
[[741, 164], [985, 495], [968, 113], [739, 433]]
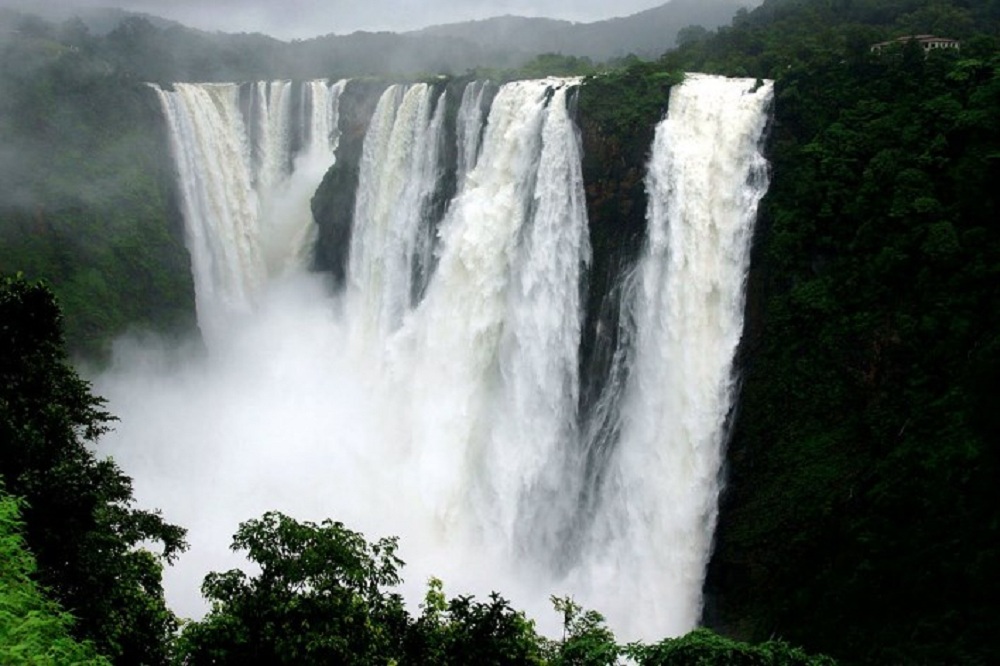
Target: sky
[[288, 19]]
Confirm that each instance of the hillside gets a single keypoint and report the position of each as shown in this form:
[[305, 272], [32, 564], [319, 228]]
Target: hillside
[[646, 34]]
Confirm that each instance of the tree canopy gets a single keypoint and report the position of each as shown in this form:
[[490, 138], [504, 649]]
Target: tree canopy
[[89, 541], [33, 629], [324, 595]]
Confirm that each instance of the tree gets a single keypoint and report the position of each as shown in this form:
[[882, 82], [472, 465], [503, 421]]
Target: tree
[[691, 34], [80, 523], [324, 596], [321, 597], [587, 641], [705, 648], [465, 631], [33, 629]]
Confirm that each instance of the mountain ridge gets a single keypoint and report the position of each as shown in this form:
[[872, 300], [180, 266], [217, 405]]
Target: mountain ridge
[[646, 34]]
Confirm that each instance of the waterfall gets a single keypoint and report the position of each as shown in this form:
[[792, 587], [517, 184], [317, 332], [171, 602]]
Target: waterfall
[[217, 194], [271, 132], [244, 194], [705, 179], [535, 418], [392, 240], [469, 127], [437, 396], [489, 359]]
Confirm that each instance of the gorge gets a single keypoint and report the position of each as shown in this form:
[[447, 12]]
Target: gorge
[[460, 308], [438, 394]]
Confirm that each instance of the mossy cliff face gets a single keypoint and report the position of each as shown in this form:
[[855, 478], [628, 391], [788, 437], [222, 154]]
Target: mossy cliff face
[[617, 115], [861, 507]]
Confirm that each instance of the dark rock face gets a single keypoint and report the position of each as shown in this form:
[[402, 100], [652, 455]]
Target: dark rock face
[[614, 169], [615, 157], [333, 203]]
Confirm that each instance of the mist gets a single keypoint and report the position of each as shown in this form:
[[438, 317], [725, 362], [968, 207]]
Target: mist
[[299, 19], [276, 415]]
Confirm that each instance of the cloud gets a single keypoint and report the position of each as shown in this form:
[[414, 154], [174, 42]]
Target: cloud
[[308, 18]]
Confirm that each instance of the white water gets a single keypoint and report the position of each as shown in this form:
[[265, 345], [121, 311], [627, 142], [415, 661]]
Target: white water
[[392, 239], [442, 407], [469, 128], [245, 197], [705, 180]]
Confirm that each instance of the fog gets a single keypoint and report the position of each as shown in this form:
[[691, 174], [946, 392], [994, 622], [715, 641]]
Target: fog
[[309, 18], [277, 415]]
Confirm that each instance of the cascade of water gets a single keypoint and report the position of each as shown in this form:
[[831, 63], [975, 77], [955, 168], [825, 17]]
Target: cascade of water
[[464, 430], [290, 233], [469, 128], [242, 199], [534, 415], [498, 234], [209, 142], [272, 134], [323, 105], [391, 245], [705, 179]]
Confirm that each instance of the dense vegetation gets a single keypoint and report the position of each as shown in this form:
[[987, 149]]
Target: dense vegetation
[[89, 542], [33, 629], [324, 596], [86, 200]]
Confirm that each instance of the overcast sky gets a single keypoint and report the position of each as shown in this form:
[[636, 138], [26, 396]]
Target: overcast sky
[[309, 18]]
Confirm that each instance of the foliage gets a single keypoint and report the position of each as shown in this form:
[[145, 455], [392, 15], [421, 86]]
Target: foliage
[[79, 520], [33, 629], [704, 648], [790, 35], [539, 67], [323, 595], [628, 101], [86, 202], [587, 641], [465, 631]]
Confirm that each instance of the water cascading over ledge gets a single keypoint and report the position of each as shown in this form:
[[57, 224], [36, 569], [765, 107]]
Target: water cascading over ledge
[[436, 396], [247, 168], [685, 305]]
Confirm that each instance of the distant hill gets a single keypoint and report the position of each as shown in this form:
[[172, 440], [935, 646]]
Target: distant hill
[[99, 20], [154, 49], [102, 20], [646, 34]]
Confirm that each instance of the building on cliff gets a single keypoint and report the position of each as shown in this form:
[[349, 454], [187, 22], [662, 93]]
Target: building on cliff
[[927, 42]]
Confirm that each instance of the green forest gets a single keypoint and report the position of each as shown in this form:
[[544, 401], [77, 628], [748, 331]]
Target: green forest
[[860, 515]]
